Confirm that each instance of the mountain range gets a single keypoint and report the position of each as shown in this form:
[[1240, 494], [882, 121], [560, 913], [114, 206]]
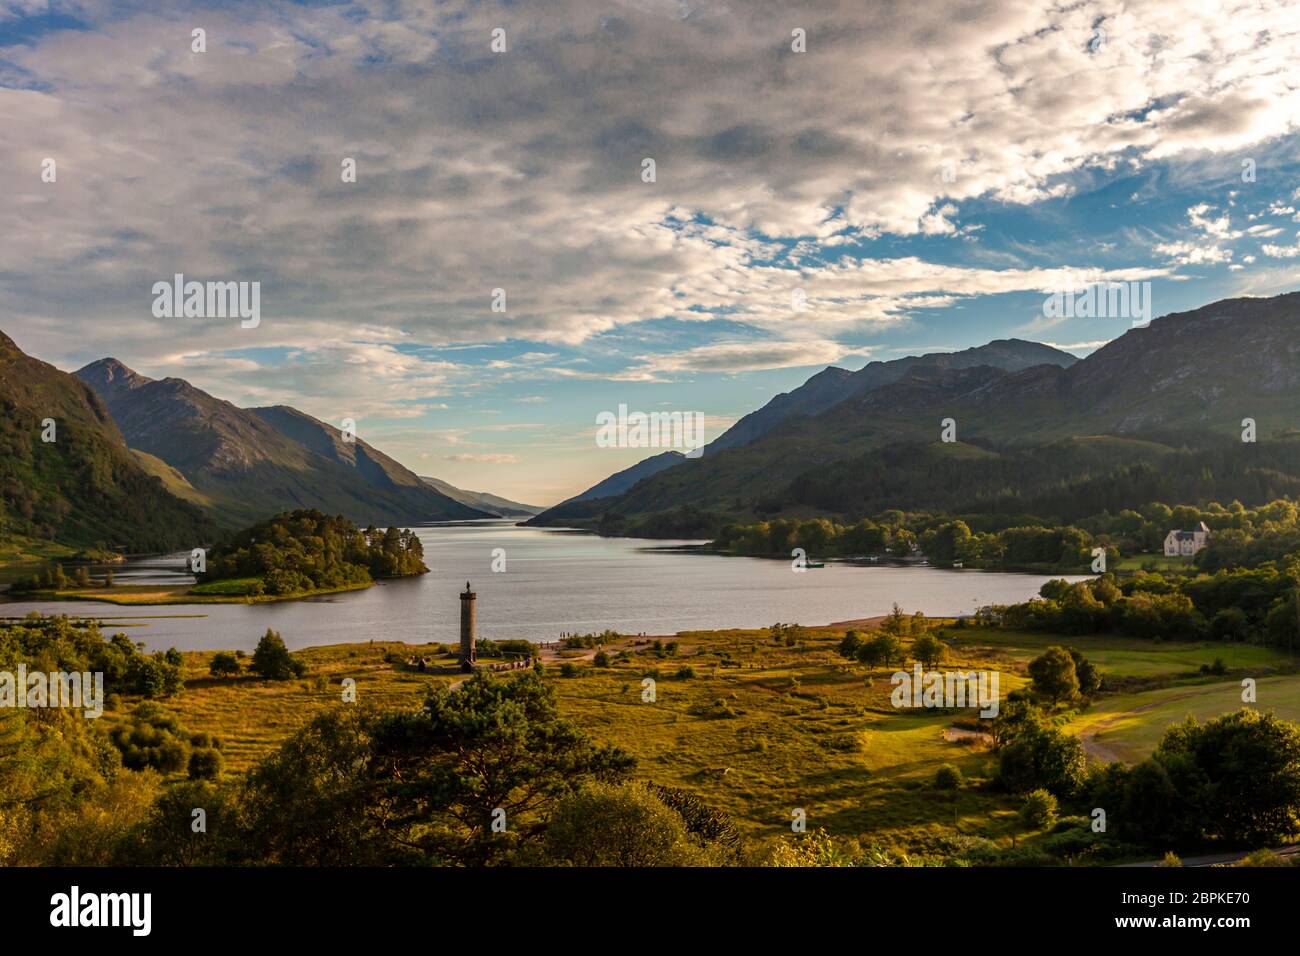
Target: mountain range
[[1183, 383], [484, 501], [247, 463]]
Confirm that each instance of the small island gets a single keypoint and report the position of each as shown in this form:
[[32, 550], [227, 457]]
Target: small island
[[293, 555]]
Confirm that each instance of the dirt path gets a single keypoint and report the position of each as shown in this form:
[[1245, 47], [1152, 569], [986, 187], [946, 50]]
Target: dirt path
[[1096, 748]]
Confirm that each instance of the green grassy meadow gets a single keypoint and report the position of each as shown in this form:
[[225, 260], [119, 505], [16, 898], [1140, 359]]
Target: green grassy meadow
[[761, 728]]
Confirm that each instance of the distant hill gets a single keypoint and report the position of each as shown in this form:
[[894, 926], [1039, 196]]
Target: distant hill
[[85, 489], [833, 385], [483, 501], [1026, 436], [248, 464], [823, 391]]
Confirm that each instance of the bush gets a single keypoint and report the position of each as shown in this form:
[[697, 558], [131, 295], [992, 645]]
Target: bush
[[601, 659], [1039, 810], [205, 764], [568, 669], [629, 825], [948, 777], [224, 664], [1264, 857], [152, 739], [686, 672]]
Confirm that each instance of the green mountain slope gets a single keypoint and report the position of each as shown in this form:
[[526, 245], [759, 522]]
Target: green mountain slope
[[1178, 387], [84, 489]]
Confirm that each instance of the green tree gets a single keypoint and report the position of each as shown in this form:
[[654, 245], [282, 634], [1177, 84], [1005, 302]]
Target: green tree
[[490, 747], [1242, 770], [272, 660], [1053, 674], [224, 664], [929, 650], [848, 646]]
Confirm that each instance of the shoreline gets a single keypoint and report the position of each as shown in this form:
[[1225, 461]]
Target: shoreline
[[154, 595]]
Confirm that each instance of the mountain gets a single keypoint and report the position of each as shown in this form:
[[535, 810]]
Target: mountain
[[83, 489], [621, 481], [821, 392], [833, 385], [247, 464], [1172, 395], [483, 501]]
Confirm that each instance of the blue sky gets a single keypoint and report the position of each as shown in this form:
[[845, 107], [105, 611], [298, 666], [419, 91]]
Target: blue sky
[[1098, 142]]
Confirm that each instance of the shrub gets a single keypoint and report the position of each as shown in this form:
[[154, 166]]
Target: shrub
[[1264, 857], [1039, 810], [568, 669], [152, 739], [629, 825], [948, 777], [601, 659], [224, 664], [686, 672], [205, 764]]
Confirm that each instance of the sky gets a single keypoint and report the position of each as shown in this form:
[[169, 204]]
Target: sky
[[833, 183]]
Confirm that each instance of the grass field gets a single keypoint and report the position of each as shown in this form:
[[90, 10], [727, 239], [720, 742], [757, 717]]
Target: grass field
[[761, 728], [1129, 726]]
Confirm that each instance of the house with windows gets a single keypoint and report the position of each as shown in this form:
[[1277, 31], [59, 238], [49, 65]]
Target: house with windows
[[1187, 543]]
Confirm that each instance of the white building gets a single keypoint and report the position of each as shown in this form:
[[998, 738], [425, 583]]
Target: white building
[[1187, 543]]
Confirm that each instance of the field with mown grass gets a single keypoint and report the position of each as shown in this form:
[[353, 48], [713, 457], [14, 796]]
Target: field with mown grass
[[757, 728], [1127, 727]]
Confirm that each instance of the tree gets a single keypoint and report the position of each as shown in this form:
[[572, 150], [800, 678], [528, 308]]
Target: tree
[[224, 664], [881, 650], [1243, 769], [1086, 673], [849, 645], [1053, 674], [491, 750], [1043, 757], [1230, 624], [272, 660], [318, 800], [929, 650]]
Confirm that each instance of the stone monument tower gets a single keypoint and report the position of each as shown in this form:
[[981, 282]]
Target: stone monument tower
[[468, 620]]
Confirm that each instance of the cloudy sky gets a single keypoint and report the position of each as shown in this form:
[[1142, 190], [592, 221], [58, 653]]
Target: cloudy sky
[[923, 173]]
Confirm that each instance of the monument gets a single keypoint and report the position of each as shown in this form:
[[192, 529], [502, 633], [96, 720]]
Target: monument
[[467, 625]]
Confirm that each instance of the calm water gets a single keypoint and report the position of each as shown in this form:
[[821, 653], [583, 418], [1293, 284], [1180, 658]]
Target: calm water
[[554, 582]]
